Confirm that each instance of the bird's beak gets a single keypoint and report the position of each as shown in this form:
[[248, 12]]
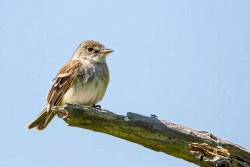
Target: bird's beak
[[106, 51]]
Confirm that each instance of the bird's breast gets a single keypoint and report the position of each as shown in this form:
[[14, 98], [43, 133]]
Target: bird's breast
[[88, 88]]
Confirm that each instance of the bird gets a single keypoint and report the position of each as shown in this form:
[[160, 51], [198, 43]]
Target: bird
[[82, 80]]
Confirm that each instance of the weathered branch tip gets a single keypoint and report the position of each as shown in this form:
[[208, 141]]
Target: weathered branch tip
[[198, 147]]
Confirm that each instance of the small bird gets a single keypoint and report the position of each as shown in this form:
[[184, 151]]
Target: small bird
[[82, 80]]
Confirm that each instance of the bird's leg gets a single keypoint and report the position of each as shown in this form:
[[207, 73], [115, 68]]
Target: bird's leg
[[97, 106]]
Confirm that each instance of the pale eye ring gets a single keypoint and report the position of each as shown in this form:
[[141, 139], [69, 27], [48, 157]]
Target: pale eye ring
[[90, 49]]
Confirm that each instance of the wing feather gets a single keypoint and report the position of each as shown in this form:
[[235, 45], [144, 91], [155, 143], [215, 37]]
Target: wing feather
[[62, 83]]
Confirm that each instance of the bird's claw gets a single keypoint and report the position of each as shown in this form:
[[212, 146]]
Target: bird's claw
[[97, 107]]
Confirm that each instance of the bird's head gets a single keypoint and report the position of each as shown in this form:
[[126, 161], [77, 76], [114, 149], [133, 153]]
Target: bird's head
[[92, 50]]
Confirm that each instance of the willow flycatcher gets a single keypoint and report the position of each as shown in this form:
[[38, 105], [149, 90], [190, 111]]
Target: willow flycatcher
[[82, 80]]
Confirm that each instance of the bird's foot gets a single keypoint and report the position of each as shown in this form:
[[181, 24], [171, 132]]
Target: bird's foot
[[97, 106]]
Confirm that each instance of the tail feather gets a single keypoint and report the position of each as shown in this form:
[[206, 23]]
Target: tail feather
[[41, 121]]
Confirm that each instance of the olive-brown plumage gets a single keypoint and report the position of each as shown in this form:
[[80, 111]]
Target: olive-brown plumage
[[83, 80]]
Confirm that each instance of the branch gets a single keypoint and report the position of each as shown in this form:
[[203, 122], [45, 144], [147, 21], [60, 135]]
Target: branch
[[198, 147]]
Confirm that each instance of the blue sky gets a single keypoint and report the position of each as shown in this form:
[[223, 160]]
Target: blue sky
[[185, 61]]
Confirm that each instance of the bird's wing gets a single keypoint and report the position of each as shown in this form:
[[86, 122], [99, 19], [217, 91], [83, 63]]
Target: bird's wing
[[62, 82]]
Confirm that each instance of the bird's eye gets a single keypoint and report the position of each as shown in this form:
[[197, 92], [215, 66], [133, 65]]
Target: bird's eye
[[90, 49]]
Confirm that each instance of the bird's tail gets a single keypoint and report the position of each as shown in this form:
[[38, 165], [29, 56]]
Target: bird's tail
[[42, 120]]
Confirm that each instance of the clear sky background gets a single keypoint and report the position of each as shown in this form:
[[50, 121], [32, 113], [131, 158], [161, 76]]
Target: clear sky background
[[185, 61]]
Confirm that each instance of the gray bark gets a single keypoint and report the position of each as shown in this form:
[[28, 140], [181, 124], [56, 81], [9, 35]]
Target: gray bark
[[198, 147]]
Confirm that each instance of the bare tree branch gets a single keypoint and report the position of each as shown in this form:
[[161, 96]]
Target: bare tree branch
[[198, 147]]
